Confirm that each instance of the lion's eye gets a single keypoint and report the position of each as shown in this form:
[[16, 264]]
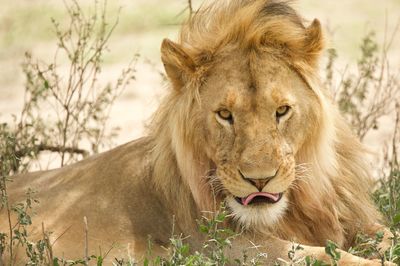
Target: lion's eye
[[225, 115], [282, 111]]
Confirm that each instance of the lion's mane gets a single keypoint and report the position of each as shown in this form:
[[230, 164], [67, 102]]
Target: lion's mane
[[331, 194]]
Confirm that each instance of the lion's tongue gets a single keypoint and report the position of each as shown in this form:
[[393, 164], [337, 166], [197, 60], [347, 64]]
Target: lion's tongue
[[273, 196]]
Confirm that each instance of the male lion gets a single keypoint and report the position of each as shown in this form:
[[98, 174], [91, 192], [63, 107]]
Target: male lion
[[246, 122]]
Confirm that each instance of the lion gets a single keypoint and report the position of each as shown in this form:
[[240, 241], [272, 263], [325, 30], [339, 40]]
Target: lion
[[246, 122]]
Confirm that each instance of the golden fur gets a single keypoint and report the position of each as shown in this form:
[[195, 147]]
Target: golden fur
[[248, 57]]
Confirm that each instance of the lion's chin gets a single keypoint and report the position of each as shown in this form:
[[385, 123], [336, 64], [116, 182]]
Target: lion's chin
[[257, 216]]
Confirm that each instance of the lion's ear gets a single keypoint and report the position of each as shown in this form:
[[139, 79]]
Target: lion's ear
[[177, 63], [314, 42]]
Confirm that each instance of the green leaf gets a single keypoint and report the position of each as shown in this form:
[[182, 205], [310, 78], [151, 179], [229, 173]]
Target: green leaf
[[55, 262], [396, 219], [220, 217], [185, 250], [308, 260], [157, 261], [99, 261], [203, 228]]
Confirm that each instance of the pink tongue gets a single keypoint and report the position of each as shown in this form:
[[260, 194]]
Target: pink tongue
[[273, 196]]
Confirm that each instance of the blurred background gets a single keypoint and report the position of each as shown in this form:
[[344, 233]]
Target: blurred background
[[25, 25]]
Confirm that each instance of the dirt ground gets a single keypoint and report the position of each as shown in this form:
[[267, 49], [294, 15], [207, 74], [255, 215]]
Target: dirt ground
[[25, 26]]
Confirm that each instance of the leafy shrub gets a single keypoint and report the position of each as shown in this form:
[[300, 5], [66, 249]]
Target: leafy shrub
[[367, 96]]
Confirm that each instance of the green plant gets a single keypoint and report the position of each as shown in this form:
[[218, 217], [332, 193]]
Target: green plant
[[66, 113], [387, 196], [368, 247], [218, 238], [10, 162], [365, 97]]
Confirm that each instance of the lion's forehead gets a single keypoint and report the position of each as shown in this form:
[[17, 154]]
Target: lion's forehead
[[252, 84], [254, 100]]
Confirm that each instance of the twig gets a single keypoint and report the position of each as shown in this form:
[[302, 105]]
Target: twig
[[10, 227], [48, 245], [63, 233], [190, 8], [43, 147], [86, 241], [109, 250], [395, 135]]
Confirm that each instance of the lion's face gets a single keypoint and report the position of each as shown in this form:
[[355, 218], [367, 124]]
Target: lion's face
[[258, 113]]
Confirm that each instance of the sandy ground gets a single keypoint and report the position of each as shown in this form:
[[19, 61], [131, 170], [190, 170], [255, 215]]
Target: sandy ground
[[25, 26]]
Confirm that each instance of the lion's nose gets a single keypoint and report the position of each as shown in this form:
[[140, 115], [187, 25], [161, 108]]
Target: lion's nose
[[259, 183]]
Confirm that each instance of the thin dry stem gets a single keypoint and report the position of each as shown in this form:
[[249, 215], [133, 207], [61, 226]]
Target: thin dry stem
[[86, 241], [49, 249]]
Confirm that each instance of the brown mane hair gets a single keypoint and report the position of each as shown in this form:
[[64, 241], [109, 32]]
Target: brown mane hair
[[271, 26]]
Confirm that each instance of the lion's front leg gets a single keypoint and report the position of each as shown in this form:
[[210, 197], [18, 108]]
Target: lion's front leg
[[277, 250]]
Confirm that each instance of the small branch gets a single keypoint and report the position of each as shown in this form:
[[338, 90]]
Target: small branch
[[64, 136], [395, 136], [86, 241], [190, 6], [63, 149], [48, 245], [43, 147], [8, 208], [62, 234]]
